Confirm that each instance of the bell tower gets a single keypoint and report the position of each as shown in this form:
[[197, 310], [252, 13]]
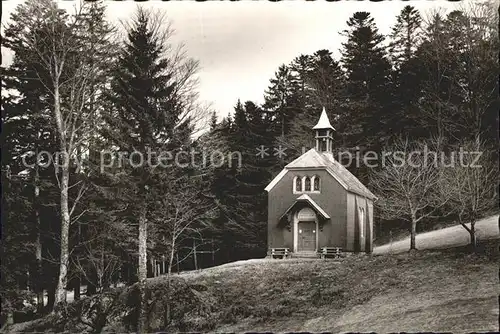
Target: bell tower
[[324, 134]]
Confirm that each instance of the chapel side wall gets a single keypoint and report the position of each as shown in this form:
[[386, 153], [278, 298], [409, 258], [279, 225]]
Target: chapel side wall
[[369, 232], [351, 223], [361, 242]]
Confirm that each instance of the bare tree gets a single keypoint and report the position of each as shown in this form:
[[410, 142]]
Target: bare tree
[[54, 39], [99, 266], [470, 185], [407, 182], [99, 263], [183, 213]]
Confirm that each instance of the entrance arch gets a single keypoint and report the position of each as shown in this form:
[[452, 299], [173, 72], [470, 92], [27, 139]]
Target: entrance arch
[[305, 231]]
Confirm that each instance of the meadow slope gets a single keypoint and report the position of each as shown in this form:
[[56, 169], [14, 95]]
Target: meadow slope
[[424, 291], [452, 236]]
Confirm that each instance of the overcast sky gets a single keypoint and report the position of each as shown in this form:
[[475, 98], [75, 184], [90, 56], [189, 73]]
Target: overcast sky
[[241, 44]]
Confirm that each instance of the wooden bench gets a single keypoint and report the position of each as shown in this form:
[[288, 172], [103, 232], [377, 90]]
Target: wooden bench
[[279, 253], [335, 252]]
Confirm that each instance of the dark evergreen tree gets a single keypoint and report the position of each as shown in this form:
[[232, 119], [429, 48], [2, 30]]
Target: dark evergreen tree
[[325, 86], [438, 71], [146, 117], [405, 40], [238, 186], [213, 121], [282, 99], [405, 36], [26, 131], [368, 88]]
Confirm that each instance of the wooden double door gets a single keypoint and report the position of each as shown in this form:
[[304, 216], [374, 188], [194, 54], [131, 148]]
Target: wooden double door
[[306, 236]]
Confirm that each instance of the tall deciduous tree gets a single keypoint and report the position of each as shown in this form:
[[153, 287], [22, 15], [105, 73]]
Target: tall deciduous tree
[[407, 184], [59, 55], [469, 184]]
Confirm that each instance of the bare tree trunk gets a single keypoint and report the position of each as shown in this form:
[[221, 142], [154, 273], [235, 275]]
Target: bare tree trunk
[[213, 253], [413, 233], [78, 281], [9, 316], [152, 265], [60, 295], [143, 271], [178, 264], [169, 273], [472, 233], [38, 243], [473, 239], [64, 258], [194, 256]]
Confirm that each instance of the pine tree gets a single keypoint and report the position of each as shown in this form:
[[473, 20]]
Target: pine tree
[[368, 85], [213, 121], [324, 88], [282, 99], [148, 116], [405, 41], [405, 36], [17, 247], [238, 186], [302, 68], [437, 69], [473, 45]]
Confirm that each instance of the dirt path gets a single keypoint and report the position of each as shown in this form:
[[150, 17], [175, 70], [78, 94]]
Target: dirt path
[[447, 237]]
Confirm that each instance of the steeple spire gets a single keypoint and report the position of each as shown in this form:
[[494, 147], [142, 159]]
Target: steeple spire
[[324, 122], [324, 133]]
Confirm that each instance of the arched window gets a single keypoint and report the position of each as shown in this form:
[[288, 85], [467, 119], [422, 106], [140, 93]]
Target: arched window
[[298, 184], [362, 222], [307, 184], [316, 183]]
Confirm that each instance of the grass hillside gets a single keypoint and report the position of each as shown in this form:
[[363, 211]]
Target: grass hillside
[[418, 292], [423, 291], [451, 236], [394, 231]]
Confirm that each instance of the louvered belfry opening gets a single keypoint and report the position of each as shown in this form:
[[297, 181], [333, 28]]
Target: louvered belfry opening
[[324, 133]]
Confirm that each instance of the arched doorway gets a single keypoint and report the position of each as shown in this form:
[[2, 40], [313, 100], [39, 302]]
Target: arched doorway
[[305, 231]]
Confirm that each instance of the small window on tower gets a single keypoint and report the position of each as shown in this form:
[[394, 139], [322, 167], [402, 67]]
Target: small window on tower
[[322, 145], [322, 133], [316, 183], [298, 184], [307, 184]]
